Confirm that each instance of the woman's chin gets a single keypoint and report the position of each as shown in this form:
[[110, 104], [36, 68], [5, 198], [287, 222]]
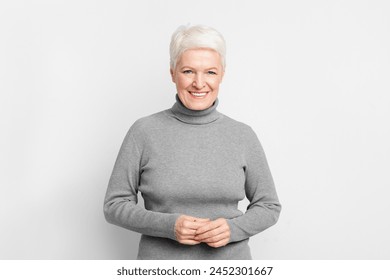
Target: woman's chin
[[198, 102]]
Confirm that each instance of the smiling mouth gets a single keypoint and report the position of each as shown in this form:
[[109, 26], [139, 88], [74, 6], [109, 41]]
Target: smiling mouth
[[198, 94]]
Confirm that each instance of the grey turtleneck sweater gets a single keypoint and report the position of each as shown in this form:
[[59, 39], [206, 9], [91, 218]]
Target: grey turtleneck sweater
[[197, 163]]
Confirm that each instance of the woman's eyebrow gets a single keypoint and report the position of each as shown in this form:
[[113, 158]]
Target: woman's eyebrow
[[211, 68]]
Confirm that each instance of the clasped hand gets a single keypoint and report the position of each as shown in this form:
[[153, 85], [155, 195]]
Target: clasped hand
[[192, 230]]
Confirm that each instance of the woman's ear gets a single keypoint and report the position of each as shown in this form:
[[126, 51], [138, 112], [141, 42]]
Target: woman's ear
[[223, 74], [172, 75]]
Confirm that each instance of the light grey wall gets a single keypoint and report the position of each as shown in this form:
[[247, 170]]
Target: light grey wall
[[311, 78]]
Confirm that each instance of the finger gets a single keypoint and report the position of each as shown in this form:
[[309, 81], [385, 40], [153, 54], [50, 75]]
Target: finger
[[201, 220], [193, 225], [220, 243], [207, 227], [195, 222], [186, 231], [195, 219], [185, 236], [211, 233], [215, 238], [188, 242]]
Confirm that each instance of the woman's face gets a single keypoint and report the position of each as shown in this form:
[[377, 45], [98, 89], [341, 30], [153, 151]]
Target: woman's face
[[197, 76]]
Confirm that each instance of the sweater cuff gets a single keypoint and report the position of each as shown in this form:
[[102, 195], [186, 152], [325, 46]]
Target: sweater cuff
[[168, 225], [236, 234]]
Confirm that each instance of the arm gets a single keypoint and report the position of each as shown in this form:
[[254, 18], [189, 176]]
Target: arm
[[264, 207], [120, 203]]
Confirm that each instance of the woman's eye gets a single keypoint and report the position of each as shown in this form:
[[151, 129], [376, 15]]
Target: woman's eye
[[187, 71], [211, 73]]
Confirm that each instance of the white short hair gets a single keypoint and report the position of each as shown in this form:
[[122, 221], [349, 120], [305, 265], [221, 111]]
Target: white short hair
[[194, 37]]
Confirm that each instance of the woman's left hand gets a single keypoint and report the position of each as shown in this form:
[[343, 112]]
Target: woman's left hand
[[214, 233]]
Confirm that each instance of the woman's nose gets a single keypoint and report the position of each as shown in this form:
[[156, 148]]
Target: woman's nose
[[198, 82]]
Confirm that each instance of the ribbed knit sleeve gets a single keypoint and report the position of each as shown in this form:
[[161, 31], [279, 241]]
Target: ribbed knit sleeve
[[120, 203], [264, 207]]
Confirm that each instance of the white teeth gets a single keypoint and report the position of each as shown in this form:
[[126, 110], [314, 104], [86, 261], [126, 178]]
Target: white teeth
[[199, 93]]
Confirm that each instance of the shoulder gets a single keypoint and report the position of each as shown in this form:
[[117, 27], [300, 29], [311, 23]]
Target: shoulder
[[239, 127], [243, 134], [146, 124]]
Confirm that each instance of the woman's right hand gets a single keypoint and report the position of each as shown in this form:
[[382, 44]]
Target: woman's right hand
[[185, 229]]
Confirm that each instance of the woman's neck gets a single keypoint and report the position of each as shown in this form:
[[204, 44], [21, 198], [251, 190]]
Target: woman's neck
[[190, 116]]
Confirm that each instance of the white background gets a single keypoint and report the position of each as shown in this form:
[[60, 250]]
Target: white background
[[310, 77]]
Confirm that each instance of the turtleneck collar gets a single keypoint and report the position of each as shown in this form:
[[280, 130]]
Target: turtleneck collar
[[190, 116]]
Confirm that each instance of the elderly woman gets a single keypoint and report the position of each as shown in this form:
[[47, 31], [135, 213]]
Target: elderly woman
[[192, 165]]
